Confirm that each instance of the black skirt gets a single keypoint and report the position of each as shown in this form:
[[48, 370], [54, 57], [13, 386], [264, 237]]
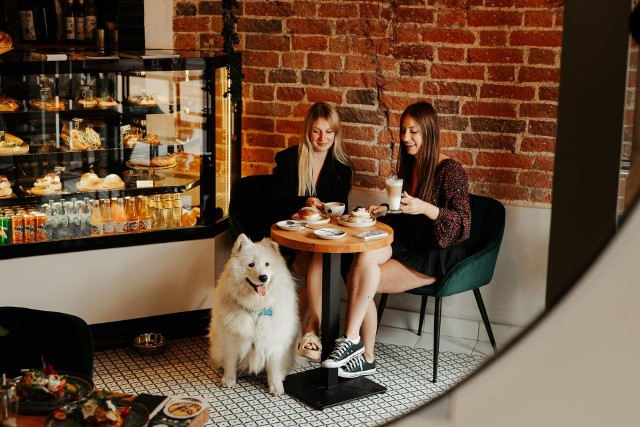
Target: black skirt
[[414, 245]]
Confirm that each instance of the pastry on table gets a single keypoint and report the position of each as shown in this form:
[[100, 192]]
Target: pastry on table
[[48, 184], [359, 215], [8, 104], [5, 187], [309, 213]]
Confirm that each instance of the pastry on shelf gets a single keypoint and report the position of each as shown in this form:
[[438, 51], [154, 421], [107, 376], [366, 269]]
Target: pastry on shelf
[[48, 184], [11, 145], [48, 104], [8, 104], [92, 182], [5, 187], [142, 100], [107, 101], [81, 139], [88, 102]]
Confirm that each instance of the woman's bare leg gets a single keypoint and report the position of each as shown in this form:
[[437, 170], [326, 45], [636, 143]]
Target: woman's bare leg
[[314, 296]]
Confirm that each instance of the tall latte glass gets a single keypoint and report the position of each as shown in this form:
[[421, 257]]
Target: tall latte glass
[[394, 192]]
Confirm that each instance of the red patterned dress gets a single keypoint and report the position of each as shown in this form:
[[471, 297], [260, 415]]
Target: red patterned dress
[[429, 246]]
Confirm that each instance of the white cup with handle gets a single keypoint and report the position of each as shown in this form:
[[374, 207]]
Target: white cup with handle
[[394, 193]]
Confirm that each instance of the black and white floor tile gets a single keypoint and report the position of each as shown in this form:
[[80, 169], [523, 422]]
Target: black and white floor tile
[[185, 369]]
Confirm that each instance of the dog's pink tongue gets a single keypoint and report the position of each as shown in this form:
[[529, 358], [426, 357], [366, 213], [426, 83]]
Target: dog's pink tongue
[[262, 290]]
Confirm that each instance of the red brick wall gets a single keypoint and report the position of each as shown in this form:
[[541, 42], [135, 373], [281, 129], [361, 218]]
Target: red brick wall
[[491, 68]]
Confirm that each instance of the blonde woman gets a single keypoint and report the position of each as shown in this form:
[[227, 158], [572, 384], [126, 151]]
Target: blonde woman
[[316, 171]]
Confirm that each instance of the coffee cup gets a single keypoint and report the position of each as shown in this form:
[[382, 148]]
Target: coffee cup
[[334, 209], [394, 193]]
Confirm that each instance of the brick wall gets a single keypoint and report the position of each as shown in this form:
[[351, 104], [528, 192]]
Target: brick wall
[[491, 68]]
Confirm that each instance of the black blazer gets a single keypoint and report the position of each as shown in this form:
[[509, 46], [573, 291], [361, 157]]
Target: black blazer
[[334, 182]]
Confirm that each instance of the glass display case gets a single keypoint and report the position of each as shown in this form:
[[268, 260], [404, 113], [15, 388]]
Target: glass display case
[[108, 152]]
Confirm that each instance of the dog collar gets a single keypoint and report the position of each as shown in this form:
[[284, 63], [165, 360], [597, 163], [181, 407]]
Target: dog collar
[[265, 312]]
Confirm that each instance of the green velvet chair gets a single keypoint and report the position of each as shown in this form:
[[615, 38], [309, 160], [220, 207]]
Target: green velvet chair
[[475, 271], [28, 336]]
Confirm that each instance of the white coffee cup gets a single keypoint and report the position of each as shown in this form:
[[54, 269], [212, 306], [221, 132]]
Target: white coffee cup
[[394, 193], [334, 208]]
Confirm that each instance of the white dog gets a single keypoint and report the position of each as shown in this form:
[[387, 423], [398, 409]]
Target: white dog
[[254, 318]]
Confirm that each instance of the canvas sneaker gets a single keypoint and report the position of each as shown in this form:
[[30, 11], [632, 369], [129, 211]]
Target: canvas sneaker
[[344, 351], [357, 367]]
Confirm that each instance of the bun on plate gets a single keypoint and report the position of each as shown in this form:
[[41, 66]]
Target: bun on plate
[[90, 180], [309, 213], [112, 181]]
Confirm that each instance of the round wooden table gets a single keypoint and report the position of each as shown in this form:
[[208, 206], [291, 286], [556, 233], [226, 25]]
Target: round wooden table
[[322, 387]]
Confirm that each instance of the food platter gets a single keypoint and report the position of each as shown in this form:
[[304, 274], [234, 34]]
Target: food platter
[[137, 417], [330, 233], [183, 408], [83, 386], [324, 218], [344, 220]]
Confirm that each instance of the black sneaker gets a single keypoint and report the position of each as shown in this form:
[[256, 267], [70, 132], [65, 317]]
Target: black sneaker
[[344, 351], [357, 367]]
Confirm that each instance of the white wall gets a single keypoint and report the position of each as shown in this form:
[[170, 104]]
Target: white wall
[[158, 24]]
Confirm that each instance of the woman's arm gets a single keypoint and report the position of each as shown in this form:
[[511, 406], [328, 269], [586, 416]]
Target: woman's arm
[[453, 223]]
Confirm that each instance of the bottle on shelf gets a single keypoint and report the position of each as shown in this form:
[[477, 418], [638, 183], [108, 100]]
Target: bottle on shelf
[[52, 222], [85, 208], [156, 212], [79, 23], [176, 210], [90, 20], [107, 216], [37, 21], [132, 214], [63, 220], [70, 22], [119, 217], [75, 219], [97, 224], [144, 216]]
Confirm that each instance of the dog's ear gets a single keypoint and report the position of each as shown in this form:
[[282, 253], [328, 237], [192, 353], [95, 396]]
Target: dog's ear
[[241, 242], [271, 244]]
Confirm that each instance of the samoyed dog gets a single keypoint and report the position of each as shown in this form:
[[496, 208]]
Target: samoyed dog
[[254, 318]]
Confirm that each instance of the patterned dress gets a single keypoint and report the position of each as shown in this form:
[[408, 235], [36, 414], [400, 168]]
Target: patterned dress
[[429, 246]]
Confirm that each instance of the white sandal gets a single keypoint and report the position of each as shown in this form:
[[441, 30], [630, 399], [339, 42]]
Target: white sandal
[[311, 354]]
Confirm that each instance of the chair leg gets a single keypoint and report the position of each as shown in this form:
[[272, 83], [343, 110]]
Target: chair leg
[[423, 309], [485, 318], [381, 304], [436, 336]]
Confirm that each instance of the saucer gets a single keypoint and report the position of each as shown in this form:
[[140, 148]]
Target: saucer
[[330, 233], [324, 218], [291, 225]]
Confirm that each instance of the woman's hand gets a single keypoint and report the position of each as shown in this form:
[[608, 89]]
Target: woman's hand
[[377, 211], [315, 202], [415, 206]]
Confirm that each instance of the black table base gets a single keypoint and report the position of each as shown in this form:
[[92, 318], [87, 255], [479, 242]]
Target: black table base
[[308, 387], [322, 388]]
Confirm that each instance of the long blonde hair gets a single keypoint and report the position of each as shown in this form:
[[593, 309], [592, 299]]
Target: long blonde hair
[[426, 161], [319, 110]]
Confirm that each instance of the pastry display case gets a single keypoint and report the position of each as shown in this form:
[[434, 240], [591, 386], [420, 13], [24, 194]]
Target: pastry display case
[[107, 152]]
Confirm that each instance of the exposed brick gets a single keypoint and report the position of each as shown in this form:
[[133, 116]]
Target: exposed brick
[[545, 111], [304, 8], [501, 73], [407, 33], [504, 192], [260, 59], [258, 124], [490, 109], [186, 9], [450, 54], [250, 25], [364, 165], [413, 52], [494, 18], [546, 93], [268, 109], [446, 106], [539, 75], [400, 84], [492, 175], [290, 93], [463, 156], [413, 69], [361, 27], [351, 80], [493, 38], [324, 95], [268, 42], [522, 93], [317, 43], [444, 88], [369, 151], [368, 11], [451, 18], [539, 18], [358, 115], [264, 140], [340, 10], [372, 45], [543, 163], [313, 77], [457, 72], [263, 8], [448, 139], [254, 75], [184, 41], [544, 128], [289, 126], [495, 55], [482, 124], [420, 15], [262, 93], [499, 3], [538, 145], [358, 133], [340, 44], [542, 4], [504, 160], [487, 141], [456, 122], [309, 26], [551, 38], [448, 35], [293, 59], [361, 63], [283, 76], [198, 24], [317, 61], [543, 56], [210, 8], [397, 103], [364, 97], [536, 179], [260, 155]]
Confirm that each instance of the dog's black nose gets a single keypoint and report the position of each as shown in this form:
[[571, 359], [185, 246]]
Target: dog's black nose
[[263, 278]]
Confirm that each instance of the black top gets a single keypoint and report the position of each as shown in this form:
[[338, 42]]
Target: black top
[[334, 181]]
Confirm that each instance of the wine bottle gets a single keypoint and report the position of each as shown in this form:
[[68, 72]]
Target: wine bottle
[[79, 15], [90, 20], [70, 22]]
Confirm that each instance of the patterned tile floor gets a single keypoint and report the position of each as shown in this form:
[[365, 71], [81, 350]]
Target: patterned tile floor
[[185, 369]]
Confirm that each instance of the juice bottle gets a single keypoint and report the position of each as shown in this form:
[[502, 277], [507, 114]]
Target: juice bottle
[[176, 211], [97, 225], [119, 217], [167, 211], [131, 214], [156, 212], [144, 216], [107, 217]]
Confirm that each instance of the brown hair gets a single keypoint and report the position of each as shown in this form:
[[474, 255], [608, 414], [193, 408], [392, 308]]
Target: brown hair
[[426, 160]]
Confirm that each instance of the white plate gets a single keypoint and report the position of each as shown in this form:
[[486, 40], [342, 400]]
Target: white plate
[[182, 408], [324, 218], [291, 225], [344, 220], [330, 233]]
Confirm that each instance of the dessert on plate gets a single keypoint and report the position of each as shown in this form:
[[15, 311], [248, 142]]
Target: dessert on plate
[[359, 215], [48, 184], [5, 187], [309, 213]]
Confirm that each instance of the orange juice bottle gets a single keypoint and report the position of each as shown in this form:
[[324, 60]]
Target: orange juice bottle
[[132, 215], [107, 216], [119, 217], [97, 225], [144, 216]]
